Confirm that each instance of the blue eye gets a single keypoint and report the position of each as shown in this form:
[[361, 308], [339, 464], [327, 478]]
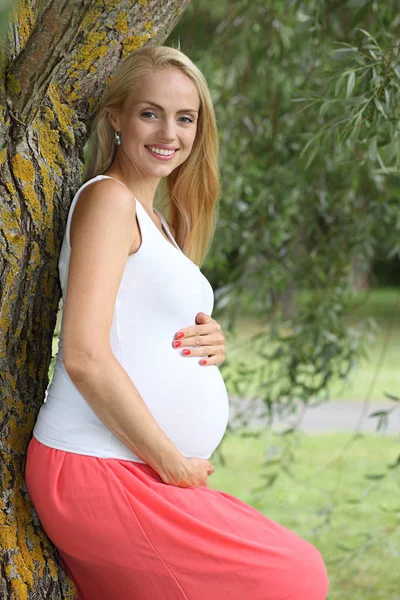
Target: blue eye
[[146, 113], [188, 120]]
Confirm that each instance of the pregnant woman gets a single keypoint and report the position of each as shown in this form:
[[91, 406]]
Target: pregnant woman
[[117, 466]]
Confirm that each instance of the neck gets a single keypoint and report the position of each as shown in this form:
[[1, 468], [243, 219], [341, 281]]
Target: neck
[[142, 186]]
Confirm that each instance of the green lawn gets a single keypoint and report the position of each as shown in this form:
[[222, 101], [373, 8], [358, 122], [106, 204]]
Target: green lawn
[[329, 502], [380, 368]]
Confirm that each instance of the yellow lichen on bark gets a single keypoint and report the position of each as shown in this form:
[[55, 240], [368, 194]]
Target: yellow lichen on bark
[[48, 114], [33, 203], [93, 16], [26, 558], [121, 23], [6, 479], [91, 51], [49, 146], [5, 315], [13, 84], [22, 168], [3, 156], [17, 242], [20, 406], [48, 186], [94, 48], [64, 114], [142, 2], [35, 259], [19, 431], [72, 95], [11, 188], [11, 379], [29, 563], [24, 20], [52, 568], [23, 559], [133, 42], [17, 586], [91, 103]]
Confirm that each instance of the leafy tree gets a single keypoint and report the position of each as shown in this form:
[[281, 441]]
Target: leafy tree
[[54, 65]]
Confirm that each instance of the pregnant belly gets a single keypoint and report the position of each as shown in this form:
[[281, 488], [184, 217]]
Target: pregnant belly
[[188, 401]]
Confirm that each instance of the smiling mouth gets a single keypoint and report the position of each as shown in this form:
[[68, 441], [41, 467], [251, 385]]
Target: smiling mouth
[[162, 151]]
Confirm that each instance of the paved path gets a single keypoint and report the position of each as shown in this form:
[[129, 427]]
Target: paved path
[[331, 416]]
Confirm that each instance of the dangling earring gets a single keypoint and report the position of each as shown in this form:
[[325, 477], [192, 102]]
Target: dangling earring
[[117, 138]]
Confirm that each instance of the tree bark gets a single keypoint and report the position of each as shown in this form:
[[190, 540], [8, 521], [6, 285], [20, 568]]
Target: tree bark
[[54, 68]]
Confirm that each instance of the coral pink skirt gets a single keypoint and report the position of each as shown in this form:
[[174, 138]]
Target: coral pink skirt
[[123, 534]]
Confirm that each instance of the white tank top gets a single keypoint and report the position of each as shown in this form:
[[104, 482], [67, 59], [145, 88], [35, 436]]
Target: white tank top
[[160, 292]]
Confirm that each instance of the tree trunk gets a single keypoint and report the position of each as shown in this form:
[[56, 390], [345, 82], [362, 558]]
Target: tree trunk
[[53, 70]]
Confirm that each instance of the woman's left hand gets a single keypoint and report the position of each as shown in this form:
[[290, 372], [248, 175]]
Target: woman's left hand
[[205, 338]]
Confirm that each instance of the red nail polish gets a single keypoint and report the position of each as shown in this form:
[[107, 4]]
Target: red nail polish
[[177, 344], [186, 352], [180, 334], [203, 362]]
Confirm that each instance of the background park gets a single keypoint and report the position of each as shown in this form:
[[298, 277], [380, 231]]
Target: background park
[[305, 263]]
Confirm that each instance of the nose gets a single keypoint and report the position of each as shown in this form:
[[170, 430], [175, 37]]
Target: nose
[[167, 130]]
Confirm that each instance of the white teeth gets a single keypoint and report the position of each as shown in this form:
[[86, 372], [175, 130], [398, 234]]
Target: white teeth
[[161, 151]]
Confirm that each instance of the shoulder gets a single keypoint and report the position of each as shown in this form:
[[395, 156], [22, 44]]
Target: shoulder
[[102, 202], [108, 189]]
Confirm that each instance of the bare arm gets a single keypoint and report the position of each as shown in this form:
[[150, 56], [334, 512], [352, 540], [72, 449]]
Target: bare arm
[[112, 395], [102, 233]]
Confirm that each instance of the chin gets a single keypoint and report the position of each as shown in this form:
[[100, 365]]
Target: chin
[[162, 170]]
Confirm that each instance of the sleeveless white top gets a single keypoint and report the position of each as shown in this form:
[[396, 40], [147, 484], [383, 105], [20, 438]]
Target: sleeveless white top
[[160, 292]]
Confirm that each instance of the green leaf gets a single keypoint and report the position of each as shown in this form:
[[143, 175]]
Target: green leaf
[[338, 85], [379, 106], [372, 149], [350, 84], [369, 36], [323, 109]]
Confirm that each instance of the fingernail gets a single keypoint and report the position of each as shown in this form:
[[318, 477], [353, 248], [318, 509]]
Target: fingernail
[[176, 344], [203, 362], [186, 352], [180, 334]]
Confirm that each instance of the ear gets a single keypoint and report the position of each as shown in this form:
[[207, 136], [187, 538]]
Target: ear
[[114, 121]]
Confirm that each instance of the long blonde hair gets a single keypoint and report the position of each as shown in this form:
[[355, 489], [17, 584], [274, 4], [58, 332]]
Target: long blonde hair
[[191, 191]]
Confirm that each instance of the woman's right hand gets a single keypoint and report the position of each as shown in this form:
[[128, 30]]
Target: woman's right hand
[[191, 472]]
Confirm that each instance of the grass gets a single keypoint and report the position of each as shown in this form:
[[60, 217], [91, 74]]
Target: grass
[[329, 502], [375, 375]]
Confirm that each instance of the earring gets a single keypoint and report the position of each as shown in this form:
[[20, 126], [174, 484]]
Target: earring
[[117, 138]]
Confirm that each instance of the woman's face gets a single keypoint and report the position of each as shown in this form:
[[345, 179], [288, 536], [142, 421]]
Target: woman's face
[[160, 115]]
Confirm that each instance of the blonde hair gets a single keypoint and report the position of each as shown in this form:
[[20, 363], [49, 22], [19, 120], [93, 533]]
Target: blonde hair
[[190, 191]]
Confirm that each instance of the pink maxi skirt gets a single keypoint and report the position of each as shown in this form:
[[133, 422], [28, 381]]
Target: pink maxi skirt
[[123, 534]]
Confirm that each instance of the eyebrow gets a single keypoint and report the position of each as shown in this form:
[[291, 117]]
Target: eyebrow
[[161, 108]]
